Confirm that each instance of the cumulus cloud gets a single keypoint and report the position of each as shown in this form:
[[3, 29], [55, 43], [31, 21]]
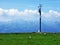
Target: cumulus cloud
[[1, 11], [12, 12], [51, 17], [15, 13]]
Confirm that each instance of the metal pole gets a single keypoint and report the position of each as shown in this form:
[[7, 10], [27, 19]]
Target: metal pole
[[40, 16]]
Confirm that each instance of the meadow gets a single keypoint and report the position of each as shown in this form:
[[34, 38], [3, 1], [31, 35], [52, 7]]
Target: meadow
[[29, 38]]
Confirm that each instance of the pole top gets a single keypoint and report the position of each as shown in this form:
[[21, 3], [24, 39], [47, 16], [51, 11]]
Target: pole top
[[39, 8], [40, 5]]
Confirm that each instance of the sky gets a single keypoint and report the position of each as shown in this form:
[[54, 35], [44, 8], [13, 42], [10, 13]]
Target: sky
[[18, 8], [51, 15], [19, 4], [18, 15], [27, 10], [50, 5], [51, 10]]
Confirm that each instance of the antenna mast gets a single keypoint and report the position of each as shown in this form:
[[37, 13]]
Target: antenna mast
[[40, 16]]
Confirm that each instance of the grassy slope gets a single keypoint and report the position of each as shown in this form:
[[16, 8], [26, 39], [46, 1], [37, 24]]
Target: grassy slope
[[23, 39]]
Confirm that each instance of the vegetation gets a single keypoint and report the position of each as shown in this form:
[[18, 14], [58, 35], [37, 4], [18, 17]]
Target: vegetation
[[30, 39]]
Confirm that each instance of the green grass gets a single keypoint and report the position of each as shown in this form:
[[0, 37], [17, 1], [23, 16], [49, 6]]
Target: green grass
[[36, 39]]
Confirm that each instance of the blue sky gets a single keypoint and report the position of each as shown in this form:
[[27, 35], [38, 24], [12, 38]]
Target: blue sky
[[19, 4], [51, 15], [27, 10], [18, 7], [30, 4], [50, 5]]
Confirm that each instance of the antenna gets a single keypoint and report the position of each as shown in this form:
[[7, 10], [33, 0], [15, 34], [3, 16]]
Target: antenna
[[40, 16]]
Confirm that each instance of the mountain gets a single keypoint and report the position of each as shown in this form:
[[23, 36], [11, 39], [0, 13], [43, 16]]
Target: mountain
[[18, 26]]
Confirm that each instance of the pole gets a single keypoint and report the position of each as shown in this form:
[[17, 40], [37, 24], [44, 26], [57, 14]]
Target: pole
[[40, 16]]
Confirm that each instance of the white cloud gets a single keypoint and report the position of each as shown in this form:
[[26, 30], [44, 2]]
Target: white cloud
[[51, 17], [28, 12], [1, 11], [12, 12], [15, 13]]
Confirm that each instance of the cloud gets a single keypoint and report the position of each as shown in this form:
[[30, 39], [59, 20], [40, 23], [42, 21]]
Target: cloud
[[12, 12], [51, 17], [15, 13], [1, 11]]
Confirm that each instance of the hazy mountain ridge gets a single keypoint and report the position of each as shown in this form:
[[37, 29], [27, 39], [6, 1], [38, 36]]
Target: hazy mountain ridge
[[19, 26]]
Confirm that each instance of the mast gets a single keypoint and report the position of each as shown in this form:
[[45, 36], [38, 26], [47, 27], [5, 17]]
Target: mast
[[40, 16]]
